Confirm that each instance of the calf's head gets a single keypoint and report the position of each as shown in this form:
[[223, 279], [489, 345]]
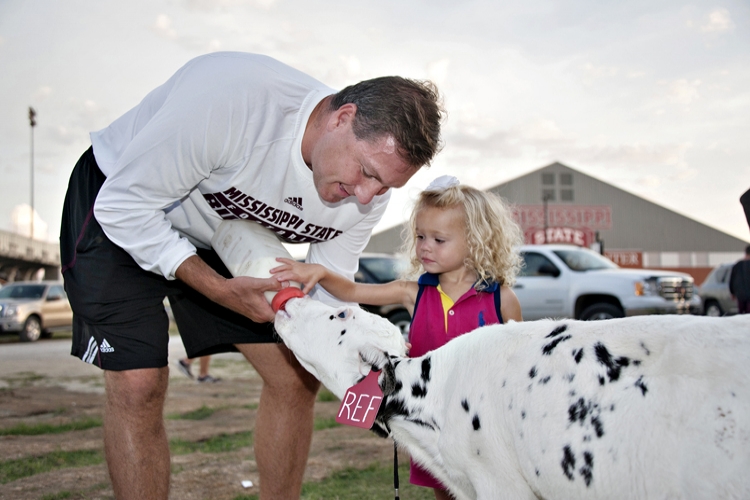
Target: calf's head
[[338, 345]]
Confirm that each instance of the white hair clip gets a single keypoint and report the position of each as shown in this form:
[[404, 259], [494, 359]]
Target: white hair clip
[[443, 182]]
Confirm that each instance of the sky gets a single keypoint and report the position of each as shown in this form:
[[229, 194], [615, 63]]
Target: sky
[[651, 97]]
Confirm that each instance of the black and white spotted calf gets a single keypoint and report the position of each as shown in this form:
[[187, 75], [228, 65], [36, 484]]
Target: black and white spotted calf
[[645, 407]]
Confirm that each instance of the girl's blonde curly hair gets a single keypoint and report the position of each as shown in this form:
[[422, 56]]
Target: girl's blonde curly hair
[[493, 237]]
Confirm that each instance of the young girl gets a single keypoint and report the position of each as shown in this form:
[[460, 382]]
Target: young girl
[[464, 242]]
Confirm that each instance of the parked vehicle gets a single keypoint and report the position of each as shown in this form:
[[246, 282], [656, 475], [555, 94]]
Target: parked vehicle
[[34, 309], [566, 281], [717, 301], [382, 268]]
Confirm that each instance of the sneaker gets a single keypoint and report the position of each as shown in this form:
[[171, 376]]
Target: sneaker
[[208, 379], [184, 368]]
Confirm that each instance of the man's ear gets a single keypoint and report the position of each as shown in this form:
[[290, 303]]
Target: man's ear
[[342, 116]]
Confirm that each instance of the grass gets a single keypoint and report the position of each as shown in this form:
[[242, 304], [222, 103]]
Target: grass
[[372, 483], [201, 413], [58, 496], [325, 423], [76, 495], [216, 444], [36, 430], [326, 396], [10, 470]]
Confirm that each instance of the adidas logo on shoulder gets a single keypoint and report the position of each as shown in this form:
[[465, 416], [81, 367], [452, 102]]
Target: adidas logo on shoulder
[[294, 201], [105, 347]]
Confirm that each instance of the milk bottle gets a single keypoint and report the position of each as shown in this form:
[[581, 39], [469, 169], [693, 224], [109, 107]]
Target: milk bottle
[[249, 249]]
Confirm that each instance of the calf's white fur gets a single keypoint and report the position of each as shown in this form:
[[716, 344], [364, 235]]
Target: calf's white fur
[[646, 407]]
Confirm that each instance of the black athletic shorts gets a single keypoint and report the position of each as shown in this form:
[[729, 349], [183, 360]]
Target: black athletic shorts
[[119, 320]]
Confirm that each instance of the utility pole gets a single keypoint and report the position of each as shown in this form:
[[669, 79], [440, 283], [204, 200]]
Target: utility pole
[[32, 122]]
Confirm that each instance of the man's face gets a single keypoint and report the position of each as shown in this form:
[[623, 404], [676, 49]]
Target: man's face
[[344, 166]]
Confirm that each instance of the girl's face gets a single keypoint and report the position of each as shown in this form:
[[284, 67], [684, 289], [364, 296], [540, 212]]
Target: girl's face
[[441, 239]]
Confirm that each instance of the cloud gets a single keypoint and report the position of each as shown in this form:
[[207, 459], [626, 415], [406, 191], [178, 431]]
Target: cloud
[[42, 93], [599, 71], [352, 64], [437, 71], [719, 21], [543, 138], [636, 154], [163, 27], [683, 91], [20, 220], [207, 5]]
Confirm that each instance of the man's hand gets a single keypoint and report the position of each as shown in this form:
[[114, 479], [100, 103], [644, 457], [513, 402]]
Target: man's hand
[[242, 294]]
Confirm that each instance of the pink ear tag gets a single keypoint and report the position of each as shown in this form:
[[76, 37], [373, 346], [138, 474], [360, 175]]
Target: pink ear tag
[[361, 402]]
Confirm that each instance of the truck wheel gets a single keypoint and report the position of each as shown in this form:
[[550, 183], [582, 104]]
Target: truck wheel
[[601, 311], [32, 330], [712, 308], [403, 321]]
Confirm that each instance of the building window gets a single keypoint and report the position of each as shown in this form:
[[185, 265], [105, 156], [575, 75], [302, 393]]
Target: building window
[[548, 179], [548, 194], [566, 194], [566, 179]]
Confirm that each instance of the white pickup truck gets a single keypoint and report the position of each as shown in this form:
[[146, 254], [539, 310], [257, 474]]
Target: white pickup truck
[[566, 281]]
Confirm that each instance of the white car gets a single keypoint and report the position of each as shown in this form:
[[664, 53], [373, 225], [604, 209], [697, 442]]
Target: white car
[[566, 281]]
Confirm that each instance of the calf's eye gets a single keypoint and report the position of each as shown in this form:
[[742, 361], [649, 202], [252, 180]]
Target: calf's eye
[[342, 315]]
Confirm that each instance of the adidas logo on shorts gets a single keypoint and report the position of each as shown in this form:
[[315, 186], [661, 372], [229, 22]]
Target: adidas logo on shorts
[[105, 347]]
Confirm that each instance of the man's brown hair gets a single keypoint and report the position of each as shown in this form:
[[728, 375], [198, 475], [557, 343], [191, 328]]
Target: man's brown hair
[[409, 110]]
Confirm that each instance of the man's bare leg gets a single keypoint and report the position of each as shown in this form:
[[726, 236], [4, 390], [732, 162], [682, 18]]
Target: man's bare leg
[[283, 427], [135, 441]]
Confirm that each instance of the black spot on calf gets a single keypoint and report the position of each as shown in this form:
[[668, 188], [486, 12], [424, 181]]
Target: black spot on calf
[[343, 332], [578, 355], [557, 331], [465, 405], [418, 391], [568, 462], [639, 384], [426, 366], [475, 422], [648, 353], [614, 366], [578, 411], [598, 427], [532, 372], [586, 471], [547, 350]]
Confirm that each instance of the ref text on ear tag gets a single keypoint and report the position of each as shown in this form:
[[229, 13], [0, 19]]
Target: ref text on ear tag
[[361, 402]]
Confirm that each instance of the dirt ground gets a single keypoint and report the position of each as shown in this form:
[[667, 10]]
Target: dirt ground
[[42, 383]]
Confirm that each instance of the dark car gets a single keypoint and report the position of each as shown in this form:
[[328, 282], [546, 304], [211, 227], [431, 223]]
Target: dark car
[[382, 268], [34, 309]]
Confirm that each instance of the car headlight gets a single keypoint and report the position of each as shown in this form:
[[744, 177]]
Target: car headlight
[[647, 287], [9, 310]]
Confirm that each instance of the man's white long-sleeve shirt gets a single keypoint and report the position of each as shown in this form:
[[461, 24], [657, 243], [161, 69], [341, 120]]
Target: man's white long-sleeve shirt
[[221, 139]]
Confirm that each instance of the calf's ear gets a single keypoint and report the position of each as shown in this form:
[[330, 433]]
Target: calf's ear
[[388, 379]]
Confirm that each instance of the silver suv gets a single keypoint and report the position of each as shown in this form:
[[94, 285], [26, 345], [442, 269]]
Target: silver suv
[[565, 281], [34, 309]]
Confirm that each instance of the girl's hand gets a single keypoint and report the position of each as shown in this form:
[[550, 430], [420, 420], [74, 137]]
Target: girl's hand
[[291, 270]]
